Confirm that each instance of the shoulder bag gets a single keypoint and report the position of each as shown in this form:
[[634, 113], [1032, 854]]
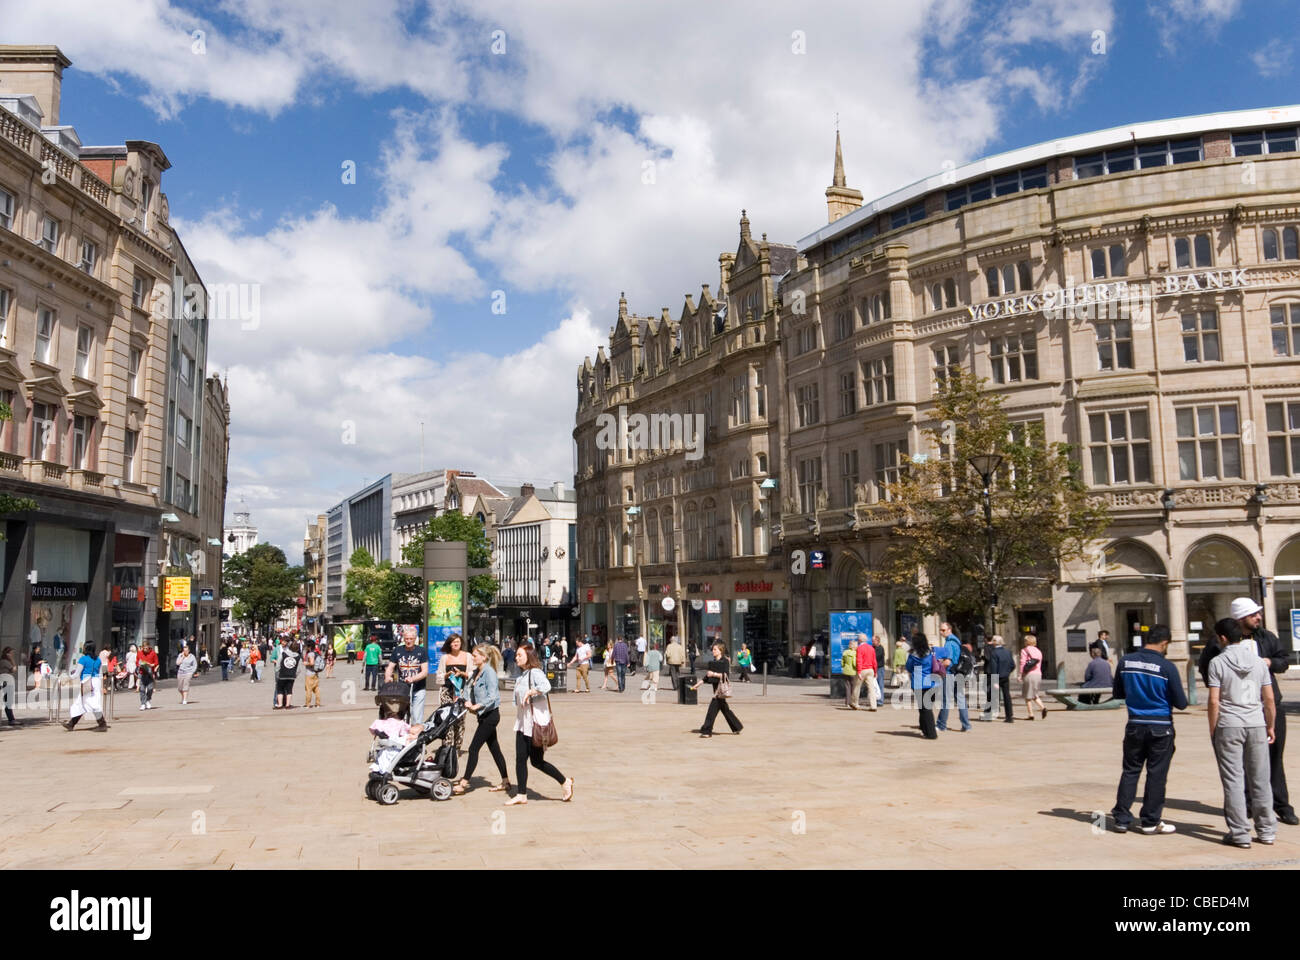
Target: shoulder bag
[[723, 691], [544, 734]]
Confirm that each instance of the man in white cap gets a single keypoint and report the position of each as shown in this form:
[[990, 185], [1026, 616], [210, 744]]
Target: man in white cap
[[1248, 613]]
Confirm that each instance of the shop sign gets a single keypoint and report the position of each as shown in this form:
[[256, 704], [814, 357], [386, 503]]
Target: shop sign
[[207, 593], [818, 559], [591, 594], [665, 589], [74, 592], [697, 604], [699, 588], [176, 594], [742, 606], [715, 606], [754, 586], [668, 604]]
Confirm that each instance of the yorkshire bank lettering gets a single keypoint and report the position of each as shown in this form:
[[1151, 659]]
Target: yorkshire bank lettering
[[753, 586], [1110, 298]]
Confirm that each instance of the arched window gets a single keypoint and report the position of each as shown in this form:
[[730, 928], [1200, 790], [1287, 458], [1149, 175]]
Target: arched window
[[652, 537], [936, 297], [950, 292], [666, 525], [762, 463], [628, 548], [744, 530], [691, 531], [709, 532]]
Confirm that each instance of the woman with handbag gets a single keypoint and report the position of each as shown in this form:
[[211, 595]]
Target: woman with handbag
[[453, 674], [1031, 675], [716, 673], [534, 726], [485, 702], [920, 668]]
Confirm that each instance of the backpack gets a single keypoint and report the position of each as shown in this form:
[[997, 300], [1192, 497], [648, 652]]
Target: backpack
[[965, 663]]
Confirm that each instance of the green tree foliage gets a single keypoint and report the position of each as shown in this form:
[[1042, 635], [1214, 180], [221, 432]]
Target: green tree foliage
[[358, 591], [450, 526], [1042, 516], [9, 503], [262, 580]]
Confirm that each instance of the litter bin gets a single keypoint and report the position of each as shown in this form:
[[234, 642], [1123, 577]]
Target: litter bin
[[685, 695], [558, 677]]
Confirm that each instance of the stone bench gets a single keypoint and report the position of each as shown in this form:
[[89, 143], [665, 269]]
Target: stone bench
[[1070, 697]]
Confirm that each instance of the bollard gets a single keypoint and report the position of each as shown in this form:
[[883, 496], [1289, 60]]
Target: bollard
[[1192, 698], [765, 678], [1060, 676]]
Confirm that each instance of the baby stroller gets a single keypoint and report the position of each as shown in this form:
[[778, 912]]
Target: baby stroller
[[399, 763]]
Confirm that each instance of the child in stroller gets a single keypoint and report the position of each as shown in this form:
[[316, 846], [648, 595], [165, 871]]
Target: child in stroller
[[397, 754]]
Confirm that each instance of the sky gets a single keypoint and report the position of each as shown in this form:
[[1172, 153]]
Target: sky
[[518, 164]]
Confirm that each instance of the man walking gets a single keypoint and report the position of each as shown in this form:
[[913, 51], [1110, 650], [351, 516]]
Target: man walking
[[1103, 637], [90, 691], [582, 657], [1242, 716], [1248, 613], [1151, 690], [878, 649], [954, 686], [412, 663], [315, 667], [372, 655], [675, 656], [640, 651], [849, 668], [620, 662], [868, 670], [653, 663], [998, 666]]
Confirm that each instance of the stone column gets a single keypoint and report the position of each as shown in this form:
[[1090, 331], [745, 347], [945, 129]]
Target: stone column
[[1176, 605]]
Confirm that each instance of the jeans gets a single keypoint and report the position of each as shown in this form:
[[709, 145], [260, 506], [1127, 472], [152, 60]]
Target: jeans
[[621, 669], [674, 673], [526, 753], [1242, 754], [417, 706], [146, 691], [486, 733], [1152, 745], [954, 685], [999, 685], [720, 704], [372, 677], [852, 690], [225, 669]]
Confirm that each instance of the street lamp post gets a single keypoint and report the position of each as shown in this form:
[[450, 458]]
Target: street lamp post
[[634, 519], [985, 465]]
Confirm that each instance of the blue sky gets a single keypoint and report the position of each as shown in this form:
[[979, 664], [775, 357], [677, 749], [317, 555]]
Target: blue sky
[[523, 171]]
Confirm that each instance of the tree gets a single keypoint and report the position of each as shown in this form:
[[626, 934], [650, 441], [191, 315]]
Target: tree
[[450, 526], [358, 592], [1042, 516], [8, 502], [262, 580]]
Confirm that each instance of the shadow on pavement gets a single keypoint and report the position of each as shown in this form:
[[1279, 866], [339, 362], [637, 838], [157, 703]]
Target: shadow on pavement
[[1197, 831], [1194, 806], [902, 733]]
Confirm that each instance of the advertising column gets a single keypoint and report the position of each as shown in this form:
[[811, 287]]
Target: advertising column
[[446, 600]]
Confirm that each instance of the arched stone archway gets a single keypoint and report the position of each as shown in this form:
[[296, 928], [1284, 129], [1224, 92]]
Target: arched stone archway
[[1215, 570], [1286, 594]]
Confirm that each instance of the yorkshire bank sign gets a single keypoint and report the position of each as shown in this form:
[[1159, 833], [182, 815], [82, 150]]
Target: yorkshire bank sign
[[1110, 299]]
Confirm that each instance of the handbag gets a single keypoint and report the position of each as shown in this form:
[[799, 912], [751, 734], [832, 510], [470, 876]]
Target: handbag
[[724, 687], [937, 666], [544, 734]]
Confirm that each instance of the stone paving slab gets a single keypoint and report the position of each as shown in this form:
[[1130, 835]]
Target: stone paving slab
[[807, 784]]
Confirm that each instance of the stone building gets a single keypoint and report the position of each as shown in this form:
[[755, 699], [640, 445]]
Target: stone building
[[675, 510], [1134, 290]]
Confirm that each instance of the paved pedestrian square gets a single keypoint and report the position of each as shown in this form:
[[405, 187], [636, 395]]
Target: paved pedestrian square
[[227, 783]]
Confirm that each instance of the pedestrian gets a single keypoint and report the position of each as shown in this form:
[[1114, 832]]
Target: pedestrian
[[1248, 613], [132, 658], [868, 674], [453, 673], [263, 658], [954, 684], [1103, 638], [315, 663], [1242, 725], [484, 702], [920, 667], [582, 657], [148, 667], [330, 655], [694, 652], [1031, 674], [849, 669], [286, 675], [1096, 674], [744, 662], [717, 674], [372, 655], [901, 650], [254, 665], [530, 688], [998, 667], [243, 656], [878, 649], [225, 660], [564, 648], [675, 657], [620, 662], [653, 663], [411, 661], [816, 654], [640, 651], [90, 690], [609, 667], [804, 661], [186, 667], [9, 670], [1151, 689]]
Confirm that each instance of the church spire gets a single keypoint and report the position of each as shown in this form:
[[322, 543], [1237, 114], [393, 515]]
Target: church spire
[[838, 180], [840, 198]]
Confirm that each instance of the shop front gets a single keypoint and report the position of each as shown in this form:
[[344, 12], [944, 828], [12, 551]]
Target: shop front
[[1284, 618], [1217, 571], [759, 617]]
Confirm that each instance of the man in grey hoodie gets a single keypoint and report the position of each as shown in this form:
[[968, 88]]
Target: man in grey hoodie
[[1242, 717]]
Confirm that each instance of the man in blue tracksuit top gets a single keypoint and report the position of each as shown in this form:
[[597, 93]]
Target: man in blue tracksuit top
[[1150, 686]]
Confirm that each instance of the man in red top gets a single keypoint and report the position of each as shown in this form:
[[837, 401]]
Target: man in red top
[[867, 669], [147, 668]]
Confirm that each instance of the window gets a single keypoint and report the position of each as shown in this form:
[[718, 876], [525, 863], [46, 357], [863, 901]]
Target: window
[[186, 369], [878, 379], [183, 428], [1290, 246], [133, 372], [1139, 156], [848, 394], [50, 234], [89, 255], [1285, 321], [1014, 357], [943, 295], [1209, 442], [1283, 421], [806, 403], [6, 298], [848, 477], [1193, 252], [1255, 142], [739, 400], [6, 209], [760, 394], [806, 340], [889, 466], [140, 292], [83, 352], [947, 360], [905, 215], [810, 484], [1108, 262], [82, 431], [1115, 345], [146, 198], [1201, 337], [843, 325], [44, 333], [876, 308], [1120, 444], [44, 441], [1008, 278], [1012, 181], [761, 461]]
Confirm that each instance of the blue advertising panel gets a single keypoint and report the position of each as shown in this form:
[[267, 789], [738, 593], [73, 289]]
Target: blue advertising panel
[[845, 625], [1295, 629]]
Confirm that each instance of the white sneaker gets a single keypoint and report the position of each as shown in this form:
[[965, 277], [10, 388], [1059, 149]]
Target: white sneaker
[[1162, 827], [142, 706]]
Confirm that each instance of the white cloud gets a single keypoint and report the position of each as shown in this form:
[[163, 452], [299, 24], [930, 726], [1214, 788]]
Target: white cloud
[[1176, 17], [1274, 58]]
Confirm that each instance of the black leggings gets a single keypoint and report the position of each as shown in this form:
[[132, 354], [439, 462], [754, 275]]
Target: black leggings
[[486, 733], [526, 753]]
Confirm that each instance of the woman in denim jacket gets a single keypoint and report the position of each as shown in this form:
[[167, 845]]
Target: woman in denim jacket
[[531, 707], [485, 703]]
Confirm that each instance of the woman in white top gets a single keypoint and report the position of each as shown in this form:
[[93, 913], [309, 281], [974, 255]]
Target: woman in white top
[[532, 707], [130, 667]]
